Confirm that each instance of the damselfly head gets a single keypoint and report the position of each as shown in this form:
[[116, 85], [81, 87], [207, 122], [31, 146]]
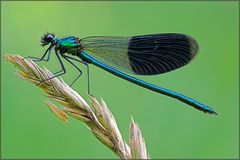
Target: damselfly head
[[47, 38]]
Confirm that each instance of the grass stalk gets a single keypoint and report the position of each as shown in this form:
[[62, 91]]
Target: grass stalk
[[95, 115]]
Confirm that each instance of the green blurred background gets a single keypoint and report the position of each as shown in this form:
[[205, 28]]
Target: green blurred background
[[171, 129]]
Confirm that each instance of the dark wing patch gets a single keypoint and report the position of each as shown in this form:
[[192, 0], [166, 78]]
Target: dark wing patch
[[160, 53]]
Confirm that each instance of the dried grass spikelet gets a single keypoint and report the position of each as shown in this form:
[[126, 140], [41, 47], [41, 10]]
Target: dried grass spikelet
[[137, 143], [97, 118]]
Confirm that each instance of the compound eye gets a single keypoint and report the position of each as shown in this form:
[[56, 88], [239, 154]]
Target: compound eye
[[49, 38]]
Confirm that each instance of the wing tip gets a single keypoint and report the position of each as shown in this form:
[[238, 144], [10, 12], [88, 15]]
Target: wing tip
[[193, 46]]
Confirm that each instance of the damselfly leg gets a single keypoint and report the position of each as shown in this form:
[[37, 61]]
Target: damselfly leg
[[79, 70], [63, 70], [85, 63], [36, 59]]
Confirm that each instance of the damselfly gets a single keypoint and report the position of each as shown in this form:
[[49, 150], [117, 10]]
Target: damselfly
[[141, 55]]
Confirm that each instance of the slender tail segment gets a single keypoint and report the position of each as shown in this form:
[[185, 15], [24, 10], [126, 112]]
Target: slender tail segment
[[152, 87]]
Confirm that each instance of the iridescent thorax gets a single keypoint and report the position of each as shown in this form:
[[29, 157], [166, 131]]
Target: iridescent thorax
[[70, 45]]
